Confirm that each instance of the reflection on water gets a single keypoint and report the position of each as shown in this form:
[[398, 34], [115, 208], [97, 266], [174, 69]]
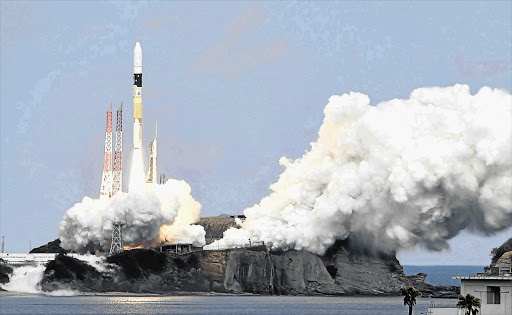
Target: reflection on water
[[212, 305]]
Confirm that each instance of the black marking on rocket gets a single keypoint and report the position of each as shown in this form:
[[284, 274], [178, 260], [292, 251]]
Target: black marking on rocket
[[137, 79]]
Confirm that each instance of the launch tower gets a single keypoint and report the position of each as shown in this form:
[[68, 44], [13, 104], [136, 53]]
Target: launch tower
[[112, 181], [106, 178], [117, 239], [117, 184]]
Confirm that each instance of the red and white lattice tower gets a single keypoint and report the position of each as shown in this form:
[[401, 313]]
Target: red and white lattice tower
[[106, 179], [117, 184]]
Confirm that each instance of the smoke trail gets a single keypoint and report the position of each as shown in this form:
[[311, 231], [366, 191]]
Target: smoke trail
[[145, 218], [393, 175]]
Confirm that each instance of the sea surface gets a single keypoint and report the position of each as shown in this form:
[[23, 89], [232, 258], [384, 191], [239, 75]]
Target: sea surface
[[443, 274], [221, 305]]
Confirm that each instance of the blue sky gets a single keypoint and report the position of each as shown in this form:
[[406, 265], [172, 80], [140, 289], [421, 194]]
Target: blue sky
[[234, 86]]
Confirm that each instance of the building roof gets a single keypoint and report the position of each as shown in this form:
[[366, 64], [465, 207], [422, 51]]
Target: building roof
[[482, 277]]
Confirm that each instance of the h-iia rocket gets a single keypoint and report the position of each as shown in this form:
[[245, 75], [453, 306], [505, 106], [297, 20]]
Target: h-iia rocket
[[137, 97], [137, 115]]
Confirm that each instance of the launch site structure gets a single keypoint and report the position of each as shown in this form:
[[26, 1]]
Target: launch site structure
[[117, 184], [106, 178], [116, 246], [112, 179]]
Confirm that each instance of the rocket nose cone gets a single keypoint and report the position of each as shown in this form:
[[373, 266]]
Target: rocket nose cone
[[137, 47]]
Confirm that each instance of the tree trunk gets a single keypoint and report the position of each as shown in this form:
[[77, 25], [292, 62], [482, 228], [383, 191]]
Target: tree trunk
[[410, 309]]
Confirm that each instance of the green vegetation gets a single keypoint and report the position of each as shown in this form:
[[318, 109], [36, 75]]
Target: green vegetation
[[410, 294], [469, 303]]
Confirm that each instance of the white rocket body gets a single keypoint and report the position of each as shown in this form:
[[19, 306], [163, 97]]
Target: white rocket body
[[137, 97]]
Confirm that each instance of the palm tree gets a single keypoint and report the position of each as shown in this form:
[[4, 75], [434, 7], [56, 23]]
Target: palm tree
[[410, 294], [469, 303]]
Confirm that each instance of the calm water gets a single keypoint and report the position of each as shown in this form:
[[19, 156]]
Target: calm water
[[443, 274], [212, 305]]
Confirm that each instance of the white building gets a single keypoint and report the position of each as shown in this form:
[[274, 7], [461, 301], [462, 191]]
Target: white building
[[28, 259], [493, 288]]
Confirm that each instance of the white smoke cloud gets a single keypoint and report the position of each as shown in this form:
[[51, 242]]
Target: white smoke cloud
[[145, 218], [393, 175]]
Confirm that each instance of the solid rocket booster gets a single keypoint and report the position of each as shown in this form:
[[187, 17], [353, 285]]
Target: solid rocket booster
[[137, 96]]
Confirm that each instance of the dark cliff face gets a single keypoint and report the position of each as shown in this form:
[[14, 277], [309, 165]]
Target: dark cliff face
[[291, 272], [343, 269], [359, 272], [252, 270], [69, 273]]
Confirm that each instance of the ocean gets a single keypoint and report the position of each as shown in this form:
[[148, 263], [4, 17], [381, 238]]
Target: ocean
[[443, 274], [214, 305], [234, 304]]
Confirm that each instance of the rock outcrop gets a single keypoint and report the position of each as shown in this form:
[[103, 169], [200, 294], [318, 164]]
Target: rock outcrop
[[426, 289], [251, 270], [5, 271], [291, 272], [215, 227], [357, 272], [69, 273], [50, 247], [343, 269]]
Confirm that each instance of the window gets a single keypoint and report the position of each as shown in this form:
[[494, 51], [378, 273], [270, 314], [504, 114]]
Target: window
[[138, 93], [493, 295]]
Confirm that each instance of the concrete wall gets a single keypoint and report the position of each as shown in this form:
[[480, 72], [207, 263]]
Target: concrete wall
[[444, 311], [478, 288]]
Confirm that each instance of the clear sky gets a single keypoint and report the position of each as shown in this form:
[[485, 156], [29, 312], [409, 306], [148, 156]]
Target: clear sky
[[234, 86]]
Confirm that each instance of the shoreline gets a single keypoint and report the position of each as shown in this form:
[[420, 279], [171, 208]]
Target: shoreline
[[188, 293], [125, 294]]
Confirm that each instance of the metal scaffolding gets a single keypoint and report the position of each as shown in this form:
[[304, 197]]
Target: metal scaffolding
[[117, 239]]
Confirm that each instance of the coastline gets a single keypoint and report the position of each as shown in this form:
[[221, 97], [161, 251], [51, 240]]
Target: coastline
[[125, 294]]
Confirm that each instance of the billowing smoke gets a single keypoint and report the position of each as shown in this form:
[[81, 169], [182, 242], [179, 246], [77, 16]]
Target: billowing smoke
[[161, 213], [393, 175]]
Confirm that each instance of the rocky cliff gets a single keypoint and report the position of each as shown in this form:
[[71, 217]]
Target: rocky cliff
[[252, 270], [343, 269], [291, 272], [358, 272]]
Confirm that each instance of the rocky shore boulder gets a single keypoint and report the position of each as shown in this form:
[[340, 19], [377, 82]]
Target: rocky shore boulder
[[5, 271], [438, 291]]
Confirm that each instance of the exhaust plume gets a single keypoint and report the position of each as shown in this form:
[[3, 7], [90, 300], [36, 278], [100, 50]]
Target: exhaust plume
[[393, 175], [161, 213]]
